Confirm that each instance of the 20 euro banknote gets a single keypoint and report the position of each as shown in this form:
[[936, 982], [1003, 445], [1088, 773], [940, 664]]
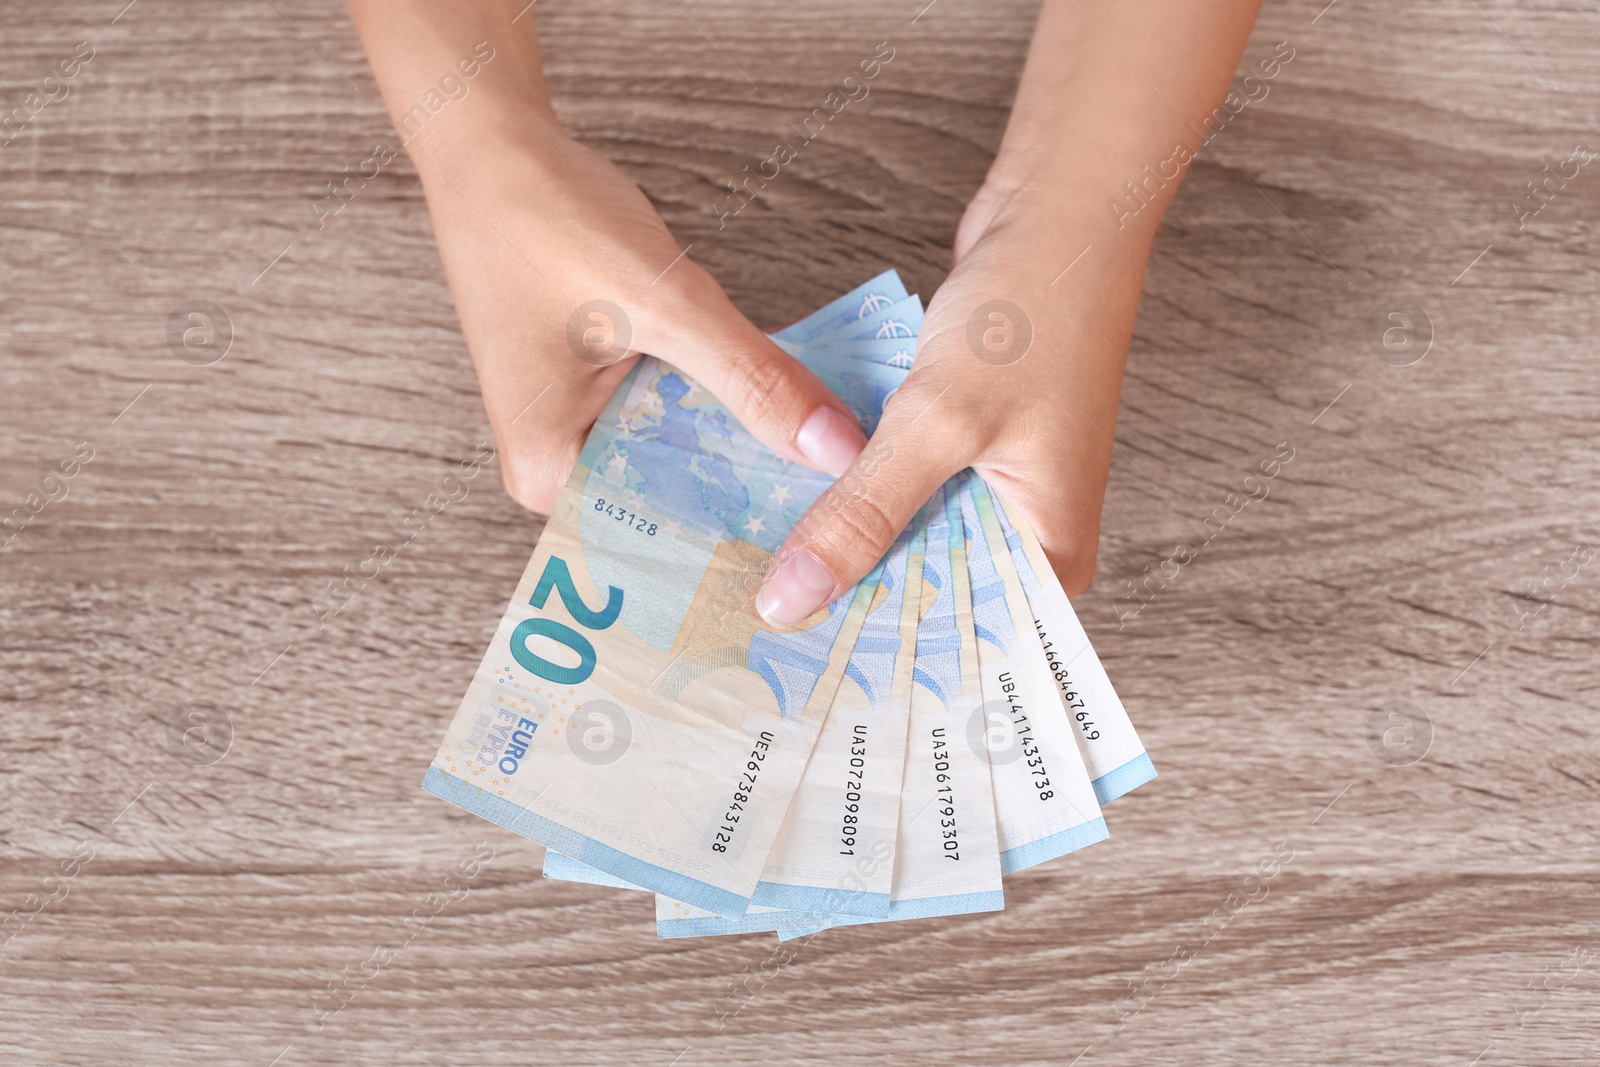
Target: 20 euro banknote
[[636, 611]]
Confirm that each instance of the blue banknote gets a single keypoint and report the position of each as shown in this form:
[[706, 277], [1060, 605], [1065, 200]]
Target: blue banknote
[[862, 302]]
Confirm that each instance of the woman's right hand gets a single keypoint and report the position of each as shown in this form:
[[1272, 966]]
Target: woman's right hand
[[562, 274]]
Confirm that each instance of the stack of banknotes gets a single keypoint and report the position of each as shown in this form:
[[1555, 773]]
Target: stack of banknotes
[[892, 757]]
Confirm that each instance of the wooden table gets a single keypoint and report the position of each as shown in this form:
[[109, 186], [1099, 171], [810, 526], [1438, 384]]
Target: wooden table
[[1430, 904]]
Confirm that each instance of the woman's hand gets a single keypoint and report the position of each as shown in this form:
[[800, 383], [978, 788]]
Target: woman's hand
[[561, 270], [1019, 363], [562, 273], [1017, 375]]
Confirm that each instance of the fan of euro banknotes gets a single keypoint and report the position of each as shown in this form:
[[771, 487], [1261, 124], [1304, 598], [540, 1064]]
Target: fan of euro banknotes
[[892, 757]]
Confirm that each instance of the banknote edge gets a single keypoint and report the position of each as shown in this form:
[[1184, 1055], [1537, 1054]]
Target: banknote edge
[[524, 823], [1125, 779], [921, 908], [752, 923], [1057, 844], [824, 315], [559, 867], [813, 898]]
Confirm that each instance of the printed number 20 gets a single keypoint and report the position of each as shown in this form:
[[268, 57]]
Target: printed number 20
[[556, 576]]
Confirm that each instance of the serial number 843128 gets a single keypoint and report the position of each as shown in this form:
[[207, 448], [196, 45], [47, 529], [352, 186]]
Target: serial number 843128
[[626, 517]]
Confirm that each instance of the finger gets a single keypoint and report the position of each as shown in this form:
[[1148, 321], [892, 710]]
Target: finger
[[773, 395], [855, 522], [539, 428], [1064, 519]]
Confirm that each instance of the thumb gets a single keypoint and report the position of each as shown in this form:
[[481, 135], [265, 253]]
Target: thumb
[[855, 522], [773, 395]]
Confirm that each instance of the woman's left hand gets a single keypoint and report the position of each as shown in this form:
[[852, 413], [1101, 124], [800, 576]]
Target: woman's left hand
[[1017, 375]]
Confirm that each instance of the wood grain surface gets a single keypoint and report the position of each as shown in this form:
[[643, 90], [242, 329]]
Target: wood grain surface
[[1433, 910]]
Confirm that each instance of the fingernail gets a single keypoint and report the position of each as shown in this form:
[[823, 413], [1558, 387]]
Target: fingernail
[[795, 588], [830, 440]]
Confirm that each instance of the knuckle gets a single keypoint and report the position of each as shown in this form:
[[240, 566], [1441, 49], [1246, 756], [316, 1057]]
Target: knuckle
[[849, 528], [1078, 574], [764, 388], [1072, 553], [875, 460], [527, 489], [534, 477], [1068, 530], [939, 417]]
